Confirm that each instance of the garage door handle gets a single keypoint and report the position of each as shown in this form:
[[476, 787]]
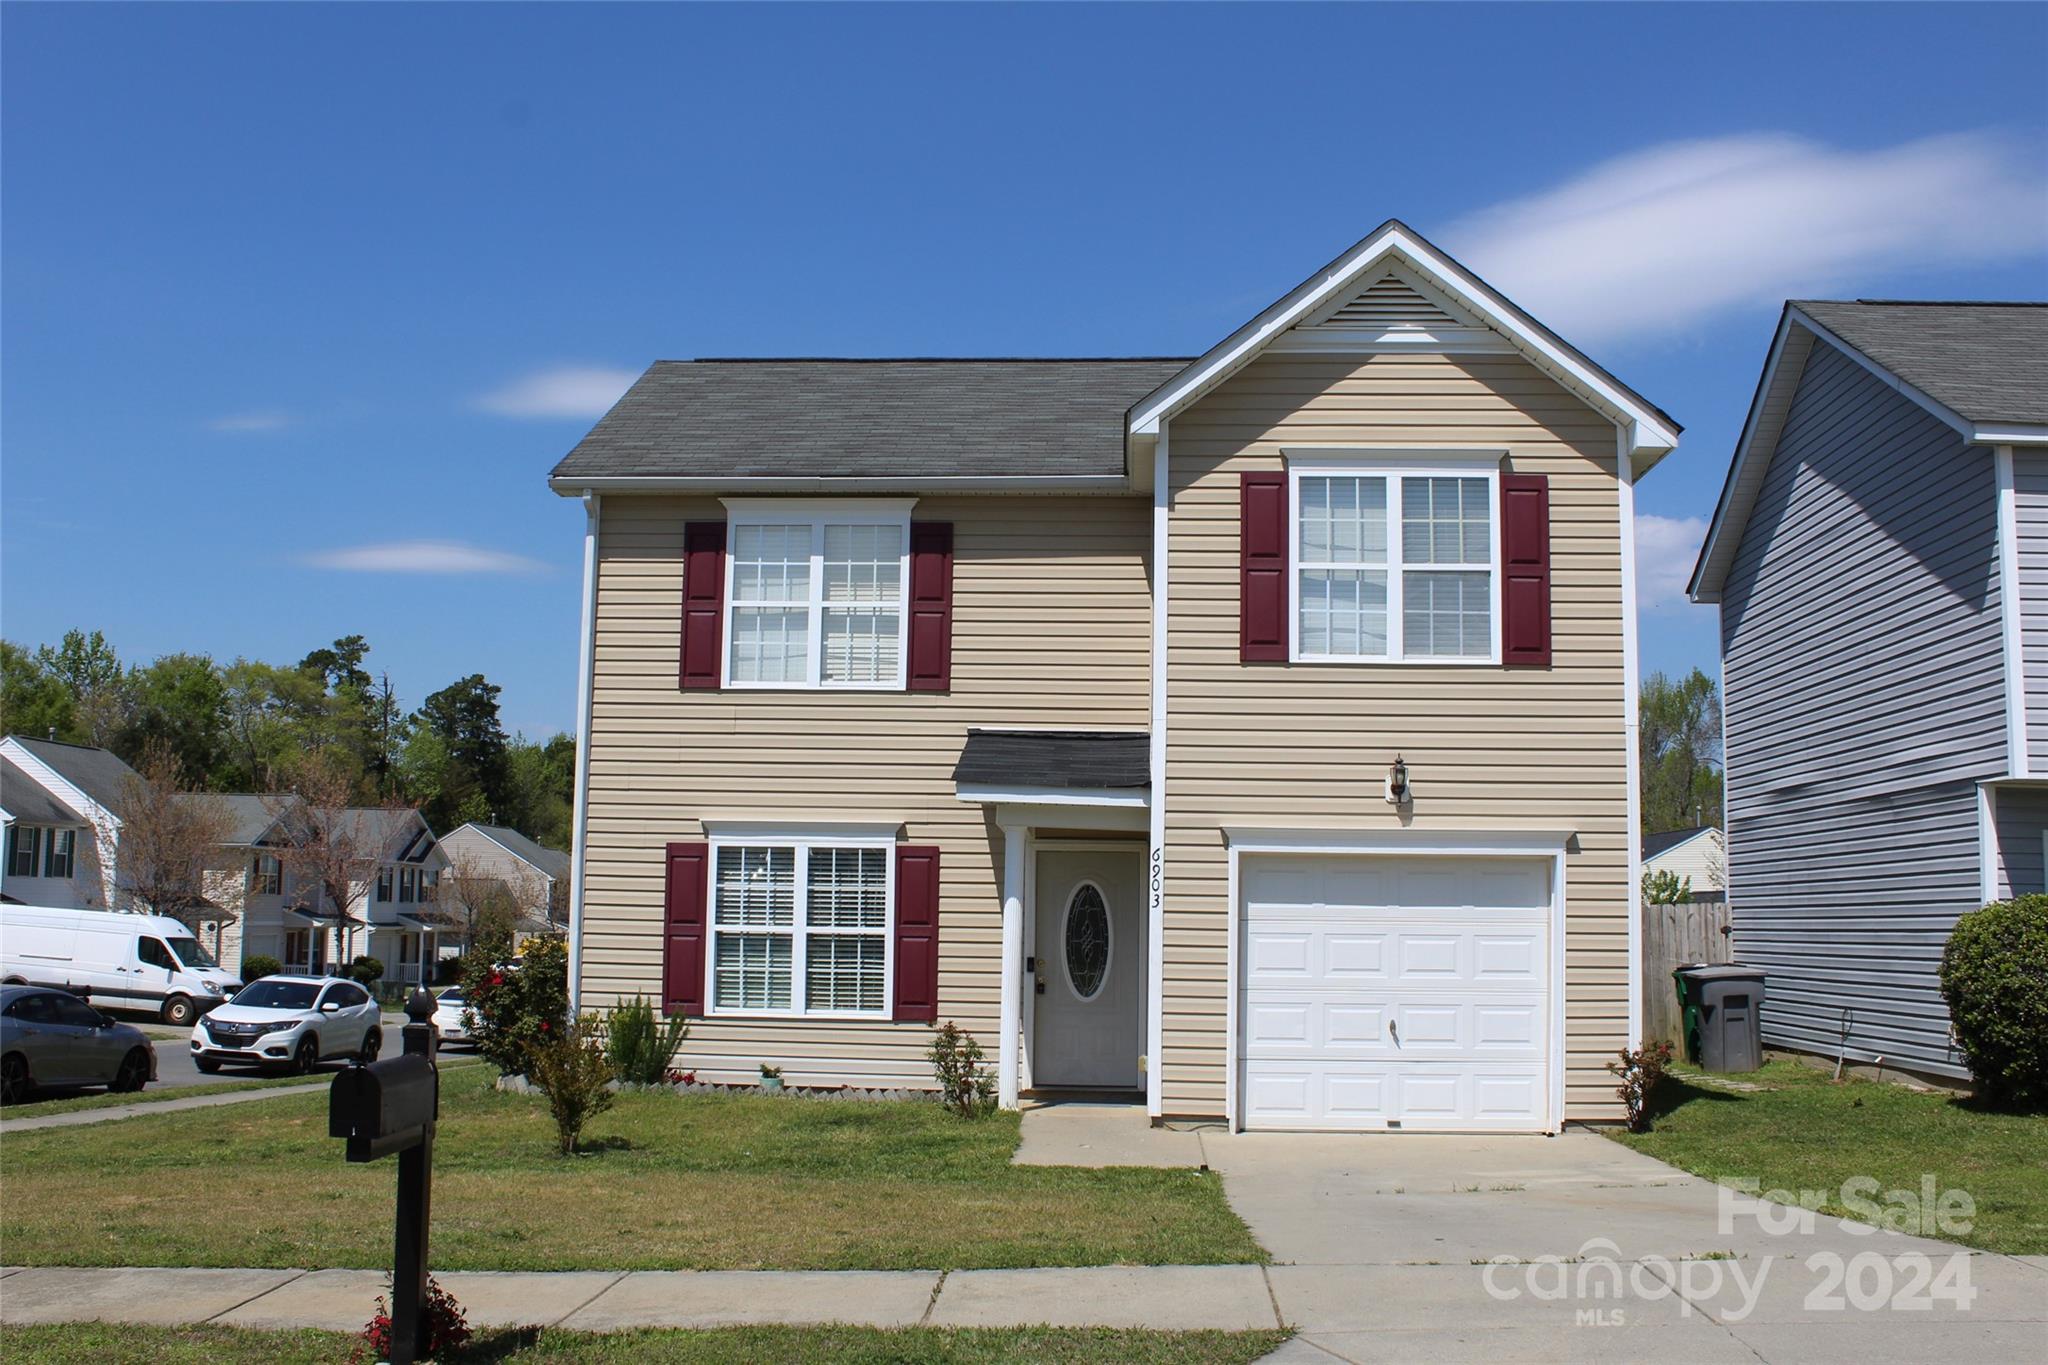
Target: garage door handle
[[1394, 1029]]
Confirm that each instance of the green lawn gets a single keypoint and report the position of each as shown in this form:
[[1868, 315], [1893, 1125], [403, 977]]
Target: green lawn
[[674, 1182], [1803, 1131], [100, 1344], [155, 1094]]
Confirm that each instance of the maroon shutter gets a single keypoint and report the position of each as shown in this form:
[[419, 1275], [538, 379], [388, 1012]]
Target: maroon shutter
[[684, 928], [931, 606], [1525, 570], [917, 934], [1262, 568], [703, 602]]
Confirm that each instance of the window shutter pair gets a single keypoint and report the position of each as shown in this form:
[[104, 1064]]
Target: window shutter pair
[[1262, 587], [930, 656], [686, 931]]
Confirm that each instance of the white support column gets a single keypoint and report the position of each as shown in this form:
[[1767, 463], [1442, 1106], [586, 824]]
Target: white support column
[[1013, 966]]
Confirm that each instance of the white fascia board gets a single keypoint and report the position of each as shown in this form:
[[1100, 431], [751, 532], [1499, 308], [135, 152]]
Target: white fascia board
[[1649, 433], [1705, 586], [1482, 843], [2009, 433], [807, 831], [986, 794], [727, 483]]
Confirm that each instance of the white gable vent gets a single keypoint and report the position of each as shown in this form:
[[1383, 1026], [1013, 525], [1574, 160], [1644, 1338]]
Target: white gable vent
[[1391, 305], [1393, 313]]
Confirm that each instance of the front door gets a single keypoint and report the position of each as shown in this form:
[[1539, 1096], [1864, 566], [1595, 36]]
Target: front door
[[1089, 970]]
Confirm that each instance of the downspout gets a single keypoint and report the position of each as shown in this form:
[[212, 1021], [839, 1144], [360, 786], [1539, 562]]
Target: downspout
[[585, 665], [1155, 863]]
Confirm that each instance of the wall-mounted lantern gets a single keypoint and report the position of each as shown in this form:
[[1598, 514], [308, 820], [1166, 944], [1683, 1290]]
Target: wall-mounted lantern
[[1397, 783]]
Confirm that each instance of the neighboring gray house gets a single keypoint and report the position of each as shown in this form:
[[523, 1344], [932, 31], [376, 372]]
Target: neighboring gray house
[[1880, 559], [537, 878], [61, 804]]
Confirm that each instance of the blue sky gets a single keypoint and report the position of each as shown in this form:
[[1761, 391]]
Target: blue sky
[[301, 302]]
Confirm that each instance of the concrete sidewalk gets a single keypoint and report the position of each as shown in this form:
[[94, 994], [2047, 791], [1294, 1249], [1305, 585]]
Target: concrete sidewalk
[[1229, 1297]]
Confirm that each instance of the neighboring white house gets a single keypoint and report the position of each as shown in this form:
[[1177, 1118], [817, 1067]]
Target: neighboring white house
[[1699, 855], [536, 876], [60, 804]]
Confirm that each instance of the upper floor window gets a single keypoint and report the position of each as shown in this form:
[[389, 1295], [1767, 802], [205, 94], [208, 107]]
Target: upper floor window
[[60, 852], [266, 876], [408, 884], [384, 884], [801, 929], [37, 851], [817, 597], [1396, 562]]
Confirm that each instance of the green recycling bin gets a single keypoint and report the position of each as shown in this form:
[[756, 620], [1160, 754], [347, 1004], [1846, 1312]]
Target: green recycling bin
[[1688, 1010]]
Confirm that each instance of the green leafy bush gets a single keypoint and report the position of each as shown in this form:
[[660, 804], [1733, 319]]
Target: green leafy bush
[[515, 1009], [258, 965], [366, 970], [640, 1043], [575, 1075], [1994, 975], [965, 1084]]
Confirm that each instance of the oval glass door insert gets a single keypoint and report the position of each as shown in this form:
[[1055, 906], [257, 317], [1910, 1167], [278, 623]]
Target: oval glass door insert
[[1087, 941]]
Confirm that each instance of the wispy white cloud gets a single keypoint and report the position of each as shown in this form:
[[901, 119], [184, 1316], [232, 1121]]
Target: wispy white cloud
[[425, 556], [1666, 548], [567, 391], [252, 422], [1660, 239]]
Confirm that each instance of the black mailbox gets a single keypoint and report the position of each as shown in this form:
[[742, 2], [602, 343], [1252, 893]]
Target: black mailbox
[[384, 1107]]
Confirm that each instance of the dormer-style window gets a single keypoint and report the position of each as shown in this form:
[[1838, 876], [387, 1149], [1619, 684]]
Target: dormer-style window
[[817, 594]]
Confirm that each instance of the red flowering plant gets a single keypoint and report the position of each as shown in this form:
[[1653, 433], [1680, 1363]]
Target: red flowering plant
[[447, 1326], [514, 1008]]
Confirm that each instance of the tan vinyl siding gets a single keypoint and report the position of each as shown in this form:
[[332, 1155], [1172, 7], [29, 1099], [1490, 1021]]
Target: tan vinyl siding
[[1052, 624], [1308, 746]]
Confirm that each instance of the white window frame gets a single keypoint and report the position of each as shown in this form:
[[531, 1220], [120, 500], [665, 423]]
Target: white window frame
[[387, 884], [1394, 466], [799, 930], [68, 840], [408, 885], [32, 835], [817, 514], [264, 870]]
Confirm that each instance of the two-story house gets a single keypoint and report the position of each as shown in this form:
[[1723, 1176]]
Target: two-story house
[[488, 862], [61, 806], [1880, 560], [1251, 733]]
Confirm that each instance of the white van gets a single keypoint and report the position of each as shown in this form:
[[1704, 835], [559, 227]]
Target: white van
[[117, 961]]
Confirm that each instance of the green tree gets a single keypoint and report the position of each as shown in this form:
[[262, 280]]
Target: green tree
[[90, 671], [180, 702], [465, 716], [33, 701], [1681, 752]]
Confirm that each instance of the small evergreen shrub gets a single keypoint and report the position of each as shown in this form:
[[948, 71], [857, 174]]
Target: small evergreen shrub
[[1640, 1071], [1994, 975], [966, 1085], [258, 965], [366, 971], [640, 1044], [575, 1075]]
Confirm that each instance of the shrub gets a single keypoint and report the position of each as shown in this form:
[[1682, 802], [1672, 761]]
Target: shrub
[[366, 970], [512, 1010], [255, 965], [965, 1084], [640, 1044], [1640, 1071], [1994, 975], [447, 1326], [574, 1074]]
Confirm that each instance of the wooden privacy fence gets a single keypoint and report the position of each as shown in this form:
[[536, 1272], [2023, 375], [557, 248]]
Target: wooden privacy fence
[[1673, 935]]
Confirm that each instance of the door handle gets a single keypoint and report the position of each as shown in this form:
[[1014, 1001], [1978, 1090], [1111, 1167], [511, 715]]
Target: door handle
[[1038, 984]]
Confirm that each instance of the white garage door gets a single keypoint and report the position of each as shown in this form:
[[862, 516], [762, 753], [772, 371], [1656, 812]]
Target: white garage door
[[1408, 992]]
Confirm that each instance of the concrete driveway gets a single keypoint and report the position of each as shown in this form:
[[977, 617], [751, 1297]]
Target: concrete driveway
[[1382, 1247]]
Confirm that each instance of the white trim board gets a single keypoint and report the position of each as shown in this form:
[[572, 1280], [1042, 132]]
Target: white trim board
[[1631, 719], [2012, 639], [983, 793], [1155, 823]]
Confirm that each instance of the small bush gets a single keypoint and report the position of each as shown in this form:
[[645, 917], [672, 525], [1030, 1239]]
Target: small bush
[[966, 1086], [1640, 1071], [513, 1010], [366, 970], [1994, 975], [575, 1075], [640, 1044], [257, 965], [447, 1326]]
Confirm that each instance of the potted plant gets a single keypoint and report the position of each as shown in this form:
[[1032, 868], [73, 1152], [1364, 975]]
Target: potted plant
[[771, 1079]]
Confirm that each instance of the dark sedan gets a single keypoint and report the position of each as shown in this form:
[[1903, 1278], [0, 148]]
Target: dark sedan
[[50, 1038]]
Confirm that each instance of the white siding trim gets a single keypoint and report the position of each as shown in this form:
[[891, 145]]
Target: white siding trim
[[1155, 853], [1631, 712], [985, 794], [2009, 614], [1009, 1039], [586, 663], [1987, 843]]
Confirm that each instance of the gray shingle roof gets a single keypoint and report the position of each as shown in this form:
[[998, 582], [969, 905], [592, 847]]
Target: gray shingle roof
[[1653, 844], [1986, 361], [1085, 759], [249, 814], [551, 862], [909, 419], [95, 772], [29, 802]]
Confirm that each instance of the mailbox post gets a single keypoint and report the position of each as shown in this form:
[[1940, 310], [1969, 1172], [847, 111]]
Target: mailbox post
[[391, 1106]]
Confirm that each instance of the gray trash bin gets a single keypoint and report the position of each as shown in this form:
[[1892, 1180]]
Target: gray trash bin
[[1731, 999]]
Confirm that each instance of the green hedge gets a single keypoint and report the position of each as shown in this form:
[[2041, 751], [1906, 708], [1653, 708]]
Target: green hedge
[[1994, 974]]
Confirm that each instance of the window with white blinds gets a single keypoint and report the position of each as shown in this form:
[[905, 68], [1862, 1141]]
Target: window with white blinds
[[817, 602], [824, 906]]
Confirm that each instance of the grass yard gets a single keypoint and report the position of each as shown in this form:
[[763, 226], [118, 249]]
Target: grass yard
[[1802, 1131], [156, 1094], [101, 1344], [674, 1183]]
